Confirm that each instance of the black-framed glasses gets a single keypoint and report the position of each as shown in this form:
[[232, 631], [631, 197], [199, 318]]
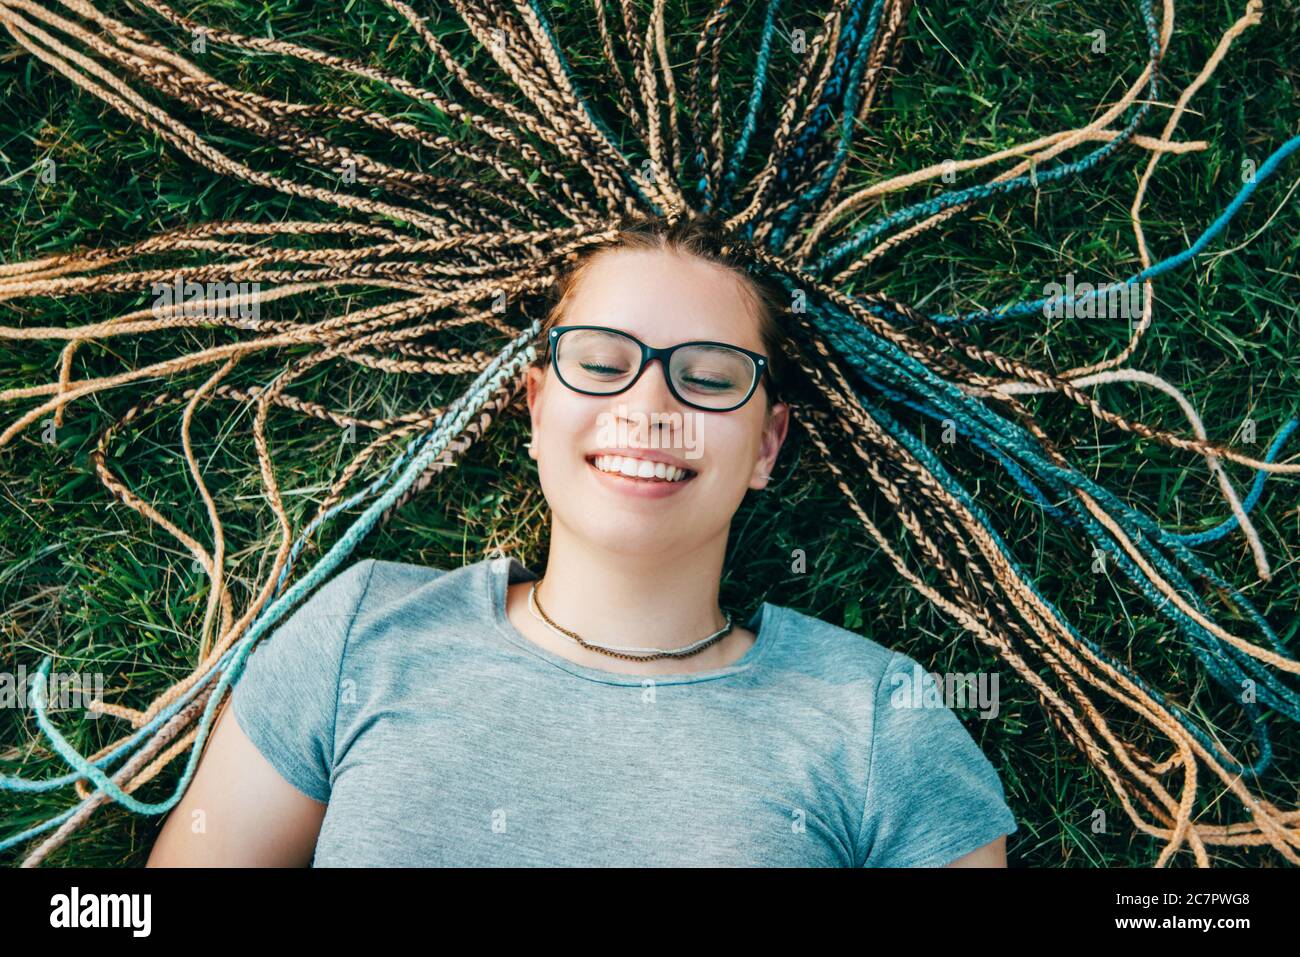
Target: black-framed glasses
[[713, 376]]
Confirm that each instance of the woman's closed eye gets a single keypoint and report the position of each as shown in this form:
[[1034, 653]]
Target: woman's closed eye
[[707, 383], [595, 367]]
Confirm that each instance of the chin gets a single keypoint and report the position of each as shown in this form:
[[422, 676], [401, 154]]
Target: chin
[[625, 534]]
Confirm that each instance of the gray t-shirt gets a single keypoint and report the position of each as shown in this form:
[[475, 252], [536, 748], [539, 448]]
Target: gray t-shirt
[[404, 698]]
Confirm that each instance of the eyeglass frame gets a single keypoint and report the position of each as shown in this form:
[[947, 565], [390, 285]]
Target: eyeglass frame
[[665, 357]]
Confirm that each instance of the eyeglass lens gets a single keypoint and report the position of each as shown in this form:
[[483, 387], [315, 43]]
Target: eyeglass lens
[[715, 377]]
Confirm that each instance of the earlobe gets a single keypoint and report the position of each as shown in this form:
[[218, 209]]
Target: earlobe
[[533, 386], [774, 433]]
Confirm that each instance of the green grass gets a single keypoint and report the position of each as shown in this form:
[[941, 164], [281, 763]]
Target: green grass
[[91, 581]]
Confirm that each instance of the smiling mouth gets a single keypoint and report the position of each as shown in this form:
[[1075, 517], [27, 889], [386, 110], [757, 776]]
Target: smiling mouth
[[639, 470]]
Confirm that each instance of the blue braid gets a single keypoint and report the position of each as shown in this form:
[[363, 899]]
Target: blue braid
[[1256, 490], [1269, 167], [978, 193], [450, 424], [582, 101], [1222, 667], [848, 115], [755, 99]]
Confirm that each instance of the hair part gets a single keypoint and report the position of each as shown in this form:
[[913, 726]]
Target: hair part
[[703, 236]]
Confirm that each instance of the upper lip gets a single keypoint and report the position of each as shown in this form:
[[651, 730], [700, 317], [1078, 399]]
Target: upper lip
[[650, 455]]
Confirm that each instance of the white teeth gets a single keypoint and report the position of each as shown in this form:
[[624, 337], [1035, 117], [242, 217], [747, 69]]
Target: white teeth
[[638, 468]]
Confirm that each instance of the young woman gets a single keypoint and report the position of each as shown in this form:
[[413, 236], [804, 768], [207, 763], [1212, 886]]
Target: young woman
[[606, 711]]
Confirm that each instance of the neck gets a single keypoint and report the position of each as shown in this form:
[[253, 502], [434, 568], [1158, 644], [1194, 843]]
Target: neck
[[621, 598]]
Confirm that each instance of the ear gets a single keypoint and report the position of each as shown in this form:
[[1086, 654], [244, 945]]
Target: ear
[[534, 379], [774, 433]]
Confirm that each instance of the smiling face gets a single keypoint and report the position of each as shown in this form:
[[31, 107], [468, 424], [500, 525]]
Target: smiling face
[[661, 297]]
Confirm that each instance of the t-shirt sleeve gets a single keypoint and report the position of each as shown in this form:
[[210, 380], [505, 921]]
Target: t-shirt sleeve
[[286, 697], [932, 796]]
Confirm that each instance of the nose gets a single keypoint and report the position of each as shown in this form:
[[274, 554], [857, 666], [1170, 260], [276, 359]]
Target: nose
[[645, 405], [650, 393]]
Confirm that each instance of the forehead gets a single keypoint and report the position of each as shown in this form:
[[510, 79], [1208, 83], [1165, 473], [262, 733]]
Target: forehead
[[664, 297]]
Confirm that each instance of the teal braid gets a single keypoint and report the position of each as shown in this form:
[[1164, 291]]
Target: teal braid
[[1169, 264], [937, 469], [848, 117], [518, 354], [582, 102], [755, 100], [955, 404], [977, 194], [794, 165]]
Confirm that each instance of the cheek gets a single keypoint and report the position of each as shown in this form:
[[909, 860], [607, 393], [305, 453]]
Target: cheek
[[567, 428], [729, 444]]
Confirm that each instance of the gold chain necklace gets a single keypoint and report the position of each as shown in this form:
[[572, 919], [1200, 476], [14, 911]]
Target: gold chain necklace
[[686, 652]]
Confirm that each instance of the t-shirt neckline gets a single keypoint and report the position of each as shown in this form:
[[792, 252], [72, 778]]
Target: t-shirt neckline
[[508, 570]]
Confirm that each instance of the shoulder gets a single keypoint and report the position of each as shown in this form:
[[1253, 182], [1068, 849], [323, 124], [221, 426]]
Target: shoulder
[[885, 674], [831, 652], [895, 705], [387, 591], [925, 792], [834, 669], [370, 589], [388, 581]]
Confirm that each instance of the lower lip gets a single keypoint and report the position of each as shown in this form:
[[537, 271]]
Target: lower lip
[[641, 488]]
